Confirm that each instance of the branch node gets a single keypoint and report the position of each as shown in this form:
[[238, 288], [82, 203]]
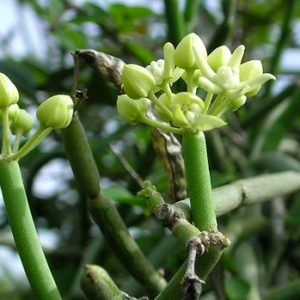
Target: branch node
[[167, 214]]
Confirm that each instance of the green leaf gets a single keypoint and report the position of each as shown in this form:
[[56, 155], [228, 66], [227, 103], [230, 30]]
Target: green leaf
[[236, 288]]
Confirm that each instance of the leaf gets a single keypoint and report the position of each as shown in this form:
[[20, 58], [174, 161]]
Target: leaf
[[71, 38], [236, 288]]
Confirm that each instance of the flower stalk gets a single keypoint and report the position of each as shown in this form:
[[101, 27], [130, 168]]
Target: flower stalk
[[198, 181]]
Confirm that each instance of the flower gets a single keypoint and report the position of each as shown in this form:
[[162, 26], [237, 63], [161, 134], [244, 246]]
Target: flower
[[226, 81]]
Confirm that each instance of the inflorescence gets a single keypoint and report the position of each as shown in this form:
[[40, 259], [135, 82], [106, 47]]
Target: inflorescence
[[220, 76]]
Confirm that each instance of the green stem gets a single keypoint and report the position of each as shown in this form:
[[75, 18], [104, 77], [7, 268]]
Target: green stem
[[204, 266], [156, 101], [190, 85], [37, 137], [281, 43], [175, 21], [98, 285], [167, 90], [17, 140], [216, 103], [6, 150], [103, 211], [24, 232], [250, 191], [198, 181], [161, 126], [225, 29], [207, 101], [190, 12]]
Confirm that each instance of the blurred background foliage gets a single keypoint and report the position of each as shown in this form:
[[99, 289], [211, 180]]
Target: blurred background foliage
[[264, 259]]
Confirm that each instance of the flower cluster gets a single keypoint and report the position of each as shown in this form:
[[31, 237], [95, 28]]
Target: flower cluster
[[224, 80], [55, 112]]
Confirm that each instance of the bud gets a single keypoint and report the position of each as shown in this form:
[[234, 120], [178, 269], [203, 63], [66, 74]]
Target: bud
[[13, 112], [236, 57], [56, 112], [131, 110], [23, 122], [8, 92], [164, 99], [138, 82], [237, 103], [184, 55], [219, 57], [169, 65], [250, 70]]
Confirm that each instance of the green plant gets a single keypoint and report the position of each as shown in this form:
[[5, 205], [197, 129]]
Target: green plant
[[242, 158], [15, 199]]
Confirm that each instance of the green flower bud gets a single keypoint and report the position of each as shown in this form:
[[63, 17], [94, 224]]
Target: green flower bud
[[13, 112], [167, 102], [250, 70], [219, 57], [184, 55], [252, 77], [23, 122], [8, 92], [56, 112], [131, 110], [169, 65], [237, 103], [236, 57], [138, 82]]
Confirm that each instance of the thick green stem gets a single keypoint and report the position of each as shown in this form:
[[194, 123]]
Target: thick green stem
[[284, 36], [204, 266], [175, 21], [104, 212], [115, 231], [98, 285], [190, 13], [203, 211], [250, 191], [24, 232], [198, 181]]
